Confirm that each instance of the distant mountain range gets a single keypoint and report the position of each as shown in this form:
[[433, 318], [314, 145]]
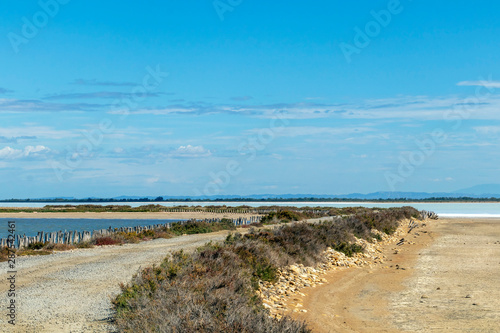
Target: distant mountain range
[[476, 192]]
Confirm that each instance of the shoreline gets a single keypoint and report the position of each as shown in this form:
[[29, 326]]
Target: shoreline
[[176, 215], [431, 285], [123, 215], [217, 203]]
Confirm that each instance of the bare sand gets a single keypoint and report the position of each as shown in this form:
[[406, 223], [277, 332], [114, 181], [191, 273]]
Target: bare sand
[[448, 281], [122, 215]]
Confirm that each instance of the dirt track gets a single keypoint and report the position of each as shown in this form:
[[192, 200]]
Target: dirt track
[[449, 281]]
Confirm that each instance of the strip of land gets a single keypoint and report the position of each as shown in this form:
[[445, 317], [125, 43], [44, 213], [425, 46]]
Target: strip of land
[[447, 281], [123, 215]]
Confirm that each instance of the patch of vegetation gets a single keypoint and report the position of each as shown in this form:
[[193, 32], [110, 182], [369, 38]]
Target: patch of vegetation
[[85, 245], [100, 241], [36, 245], [28, 252], [377, 237], [200, 227], [283, 216], [4, 254], [58, 247], [213, 289]]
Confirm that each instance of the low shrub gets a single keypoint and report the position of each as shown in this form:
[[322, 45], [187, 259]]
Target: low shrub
[[57, 247], [209, 290], [376, 237], [4, 254], [100, 241], [29, 252], [85, 245], [349, 249], [213, 289], [200, 227], [36, 245], [282, 216]]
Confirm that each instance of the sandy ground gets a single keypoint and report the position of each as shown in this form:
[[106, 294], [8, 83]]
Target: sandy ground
[[122, 215], [448, 281]]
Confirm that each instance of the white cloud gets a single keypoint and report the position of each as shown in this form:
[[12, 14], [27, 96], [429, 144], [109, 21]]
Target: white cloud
[[157, 112], [38, 131], [9, 153], [483, 106], [152, 180], [487, 130], [191, 151], [487, 84], [311, 130]]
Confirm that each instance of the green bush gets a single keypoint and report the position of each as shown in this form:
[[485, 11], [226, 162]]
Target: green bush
[[36, 246]]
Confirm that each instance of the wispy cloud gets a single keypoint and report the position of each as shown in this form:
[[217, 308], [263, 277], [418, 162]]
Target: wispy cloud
[[242, 98], [105, 94], [487, 130], [8, 153], [16, 139], [36, 131], [25, 105], [487, 84], [405, 107], [95, 82], [313, 131], [401, 107]]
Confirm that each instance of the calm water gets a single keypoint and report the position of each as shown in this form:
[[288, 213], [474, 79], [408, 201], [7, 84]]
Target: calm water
[[32, 226], [445, 209]]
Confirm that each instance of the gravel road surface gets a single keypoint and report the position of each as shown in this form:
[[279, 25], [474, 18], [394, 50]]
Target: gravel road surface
[[71, 291]]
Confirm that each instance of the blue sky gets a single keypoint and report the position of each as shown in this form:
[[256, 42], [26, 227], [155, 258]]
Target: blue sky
[[247, 97]]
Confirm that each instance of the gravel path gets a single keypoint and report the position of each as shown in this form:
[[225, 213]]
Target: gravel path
[[71, 291]]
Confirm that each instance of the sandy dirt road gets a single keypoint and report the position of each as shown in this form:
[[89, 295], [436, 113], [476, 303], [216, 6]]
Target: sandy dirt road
[[448, 281]]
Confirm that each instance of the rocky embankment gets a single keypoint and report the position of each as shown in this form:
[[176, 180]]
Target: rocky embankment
[[286, 296]]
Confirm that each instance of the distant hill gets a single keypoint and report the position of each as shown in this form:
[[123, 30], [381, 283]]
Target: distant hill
[[484, 191]]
